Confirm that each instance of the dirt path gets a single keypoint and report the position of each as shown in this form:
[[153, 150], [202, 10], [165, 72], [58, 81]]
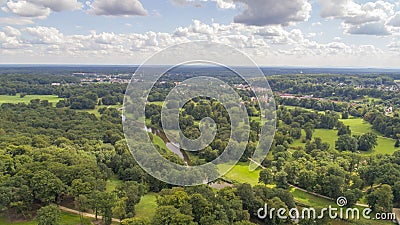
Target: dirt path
[[73, 211]]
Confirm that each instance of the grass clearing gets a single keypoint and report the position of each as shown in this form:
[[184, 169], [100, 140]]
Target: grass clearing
[[240, 173], [360, 126], [26, 99], [112, 183], [309, 199], [95, 111], [329, 136], [66, 219], [147, 206]]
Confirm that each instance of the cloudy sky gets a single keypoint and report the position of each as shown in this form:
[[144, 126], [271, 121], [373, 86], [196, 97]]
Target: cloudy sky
[[318, 33]]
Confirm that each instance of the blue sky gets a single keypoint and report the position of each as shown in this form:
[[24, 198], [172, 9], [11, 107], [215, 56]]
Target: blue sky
[[335, 33]]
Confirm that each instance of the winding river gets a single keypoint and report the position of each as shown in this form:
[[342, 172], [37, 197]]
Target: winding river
[[173, 147]]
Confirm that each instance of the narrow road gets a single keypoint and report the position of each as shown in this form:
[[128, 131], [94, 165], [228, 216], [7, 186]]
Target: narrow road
[[89, 215]]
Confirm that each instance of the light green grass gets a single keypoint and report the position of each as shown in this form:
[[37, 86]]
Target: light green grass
[[159, 142], [95, 111], [66, 219], [17, 99], [156, 103], [147, 206], [112, 183], [309, 199], [241, 174], [360, 126], [329, 136], [298, 107]]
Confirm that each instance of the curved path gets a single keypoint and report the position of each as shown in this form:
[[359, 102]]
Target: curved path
[[89, 215]]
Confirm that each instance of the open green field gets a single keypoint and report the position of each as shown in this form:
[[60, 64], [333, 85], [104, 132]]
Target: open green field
[[329, 136], [241, 174], [147, 206], [66, 219], [310, 110], [359, 126], [17, 99], [309, 199], [95, 111]]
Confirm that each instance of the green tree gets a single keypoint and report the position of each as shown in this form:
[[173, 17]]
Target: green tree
[[346, 143], [171, 215], [136, 221], [352, 196], [266, 176], [49, 215], [380, 199], [106, 204], [46, 186], [367, 142], [82, 204], [281, 180]]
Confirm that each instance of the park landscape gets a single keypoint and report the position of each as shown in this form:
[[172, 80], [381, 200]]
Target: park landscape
[[324, 147]]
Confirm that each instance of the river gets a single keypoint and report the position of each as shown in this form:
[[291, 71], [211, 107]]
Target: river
[[173, 147]]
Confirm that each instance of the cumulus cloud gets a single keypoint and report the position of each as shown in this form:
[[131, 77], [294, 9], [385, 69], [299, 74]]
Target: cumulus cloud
[[262, 12], [370, 18], [377, 29], [11, 31], [15, 21], [45, 35], [269, 12], [39, 8], [268, 45], [395, 20], [117, 8], [222, 4]]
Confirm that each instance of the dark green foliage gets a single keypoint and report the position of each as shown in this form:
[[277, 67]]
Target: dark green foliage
[[49, 215]]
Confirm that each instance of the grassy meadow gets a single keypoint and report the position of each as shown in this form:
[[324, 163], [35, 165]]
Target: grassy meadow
[[26, 99]]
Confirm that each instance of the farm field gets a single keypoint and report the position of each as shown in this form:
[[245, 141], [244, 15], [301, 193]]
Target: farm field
[[26, 99]]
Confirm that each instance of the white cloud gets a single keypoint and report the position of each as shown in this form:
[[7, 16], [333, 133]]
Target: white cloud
[[395, 20], [45, 35], [269, 12], [11, 31], [26, 9], [117, 8], [377, 29], [15, 21], [269, 45], [222, 4], [370, 18], [40, 8]]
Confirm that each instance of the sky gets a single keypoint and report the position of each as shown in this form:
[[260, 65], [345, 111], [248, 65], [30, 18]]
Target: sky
[[309, 33]]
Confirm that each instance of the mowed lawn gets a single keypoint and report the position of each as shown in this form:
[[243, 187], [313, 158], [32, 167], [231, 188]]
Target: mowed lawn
[[359, 126], [147, 206], [26, 99], [309, 199], [66, 219], [241, 174]]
